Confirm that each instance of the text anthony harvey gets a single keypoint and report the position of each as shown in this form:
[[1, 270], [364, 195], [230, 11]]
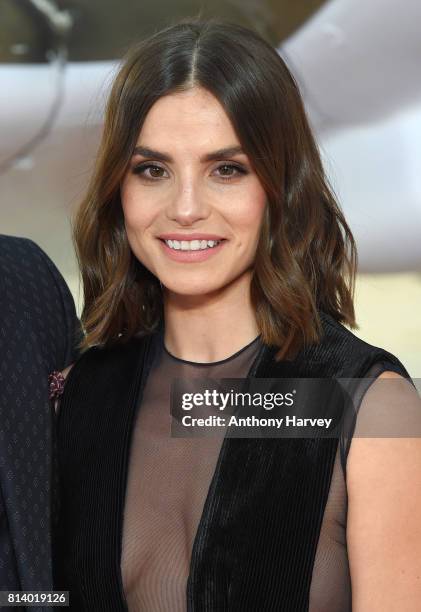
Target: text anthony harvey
[[253, 421]]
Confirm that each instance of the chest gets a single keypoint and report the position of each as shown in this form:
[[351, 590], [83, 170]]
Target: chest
[[168, 481]]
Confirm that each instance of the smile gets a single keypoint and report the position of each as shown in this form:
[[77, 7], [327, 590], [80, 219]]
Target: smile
[[191, 245], [191, 251]]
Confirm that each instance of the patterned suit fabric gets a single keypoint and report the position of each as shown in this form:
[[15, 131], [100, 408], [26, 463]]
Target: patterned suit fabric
[[39, 332]]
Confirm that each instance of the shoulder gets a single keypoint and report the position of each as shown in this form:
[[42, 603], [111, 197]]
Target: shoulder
[[33, 289], [18, 256], [9, 242], [14, 248], [342, 353], [93, 356], [335, 333], [384, 495], [25, 261], [102, 375], [104, 366]]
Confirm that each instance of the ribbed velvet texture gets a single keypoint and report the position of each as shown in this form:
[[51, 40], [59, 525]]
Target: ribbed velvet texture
[[257, 537]]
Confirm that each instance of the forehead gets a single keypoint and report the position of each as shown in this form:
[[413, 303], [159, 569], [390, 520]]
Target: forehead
[[194, 116]]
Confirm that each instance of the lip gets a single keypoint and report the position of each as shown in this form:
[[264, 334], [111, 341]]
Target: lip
[[196, 236], [191, 256]]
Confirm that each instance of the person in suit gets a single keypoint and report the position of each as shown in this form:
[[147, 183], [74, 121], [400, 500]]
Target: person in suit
[[39, 332]]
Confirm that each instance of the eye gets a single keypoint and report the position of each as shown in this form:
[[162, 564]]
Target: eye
[[233, 171], [155, 171]]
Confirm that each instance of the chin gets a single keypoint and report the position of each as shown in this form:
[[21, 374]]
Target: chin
[[190, 288]]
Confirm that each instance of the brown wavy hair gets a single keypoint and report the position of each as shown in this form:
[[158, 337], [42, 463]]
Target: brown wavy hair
[[306, 257]]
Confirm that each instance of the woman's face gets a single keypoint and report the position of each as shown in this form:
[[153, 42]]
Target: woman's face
[[182, 186]]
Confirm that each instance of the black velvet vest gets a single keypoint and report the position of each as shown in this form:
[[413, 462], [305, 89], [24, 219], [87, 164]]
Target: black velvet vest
[[256, 540]]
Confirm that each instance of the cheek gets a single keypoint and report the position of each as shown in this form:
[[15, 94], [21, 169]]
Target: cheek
[[134, 213], [135, 225], [251, 214], [132, 218]]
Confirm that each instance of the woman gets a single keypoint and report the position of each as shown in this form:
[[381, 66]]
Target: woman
[[211, 246]]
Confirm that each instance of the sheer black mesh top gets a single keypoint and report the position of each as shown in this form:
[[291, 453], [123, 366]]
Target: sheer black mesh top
[[168, 480]]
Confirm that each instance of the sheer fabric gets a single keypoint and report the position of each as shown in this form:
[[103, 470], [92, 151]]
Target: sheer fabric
[[168, 480]]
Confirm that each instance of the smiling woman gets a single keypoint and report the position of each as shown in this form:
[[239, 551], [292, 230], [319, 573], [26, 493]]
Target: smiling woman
[[194, 145], [210, 246]]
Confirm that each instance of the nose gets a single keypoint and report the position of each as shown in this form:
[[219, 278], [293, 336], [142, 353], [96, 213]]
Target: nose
[[188, 204]]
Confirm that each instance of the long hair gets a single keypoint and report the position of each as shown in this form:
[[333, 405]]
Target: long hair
[[306, 257]]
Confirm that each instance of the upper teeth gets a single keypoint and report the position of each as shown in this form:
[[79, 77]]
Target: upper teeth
[[191, 245]]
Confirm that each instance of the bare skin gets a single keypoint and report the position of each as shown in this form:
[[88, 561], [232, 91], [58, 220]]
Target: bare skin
[[384, 526]]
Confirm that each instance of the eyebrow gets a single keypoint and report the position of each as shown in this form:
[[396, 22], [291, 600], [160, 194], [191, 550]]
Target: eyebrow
[[225, 153]]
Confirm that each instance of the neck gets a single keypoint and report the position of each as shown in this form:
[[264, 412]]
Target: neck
[[211, 327]]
